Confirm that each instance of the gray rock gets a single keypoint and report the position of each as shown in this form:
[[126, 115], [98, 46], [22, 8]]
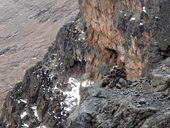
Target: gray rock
[[160, 79], [142, 101], [111, 112], [122, 82], [105, 82]]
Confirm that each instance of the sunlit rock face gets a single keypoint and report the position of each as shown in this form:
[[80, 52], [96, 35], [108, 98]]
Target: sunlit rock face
[[130, 28]]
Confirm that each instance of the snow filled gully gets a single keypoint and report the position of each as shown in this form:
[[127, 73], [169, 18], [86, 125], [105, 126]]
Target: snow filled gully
[[71, 101], [73, 96]]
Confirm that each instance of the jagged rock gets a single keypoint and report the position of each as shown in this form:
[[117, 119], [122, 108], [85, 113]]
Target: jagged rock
[[115, 78], [118, 111], [122, 82], [160, 76], [142, 101], [105, 82]]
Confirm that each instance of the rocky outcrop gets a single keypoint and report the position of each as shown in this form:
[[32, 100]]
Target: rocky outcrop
[[126, 108], [125, 104], [160, 76], [27, 29], [39, 99], [86, 77]]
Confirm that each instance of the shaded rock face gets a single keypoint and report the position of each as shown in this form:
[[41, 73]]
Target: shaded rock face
[[39, 100], [27, 29], [134, 29]]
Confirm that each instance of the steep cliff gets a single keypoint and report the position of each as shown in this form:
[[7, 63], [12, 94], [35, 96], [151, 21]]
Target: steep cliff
[[134, 29], [86, 79]]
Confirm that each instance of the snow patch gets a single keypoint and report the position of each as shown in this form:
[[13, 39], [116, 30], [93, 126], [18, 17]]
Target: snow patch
[[56, 117], [25, 125], [144, 9], [18, 101], [132, 19], [34, 58], [141, 24], [73, 96], [51, 76], [34, 108], [23, 115], [87, 83], [24, 101], [38, 76]]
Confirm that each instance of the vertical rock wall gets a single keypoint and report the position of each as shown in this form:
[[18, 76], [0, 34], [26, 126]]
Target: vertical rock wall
[[128, 27]]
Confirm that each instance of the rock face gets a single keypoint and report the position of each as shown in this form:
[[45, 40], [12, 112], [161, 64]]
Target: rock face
[[86, 78], [134, 29]]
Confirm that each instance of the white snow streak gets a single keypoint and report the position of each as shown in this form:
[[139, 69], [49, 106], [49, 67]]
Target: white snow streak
[[24, 101], [141, 24], [73, 96], [25, 125], [34, 108], [23, 115], [132, 19], [86, 83], [144, 9]]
